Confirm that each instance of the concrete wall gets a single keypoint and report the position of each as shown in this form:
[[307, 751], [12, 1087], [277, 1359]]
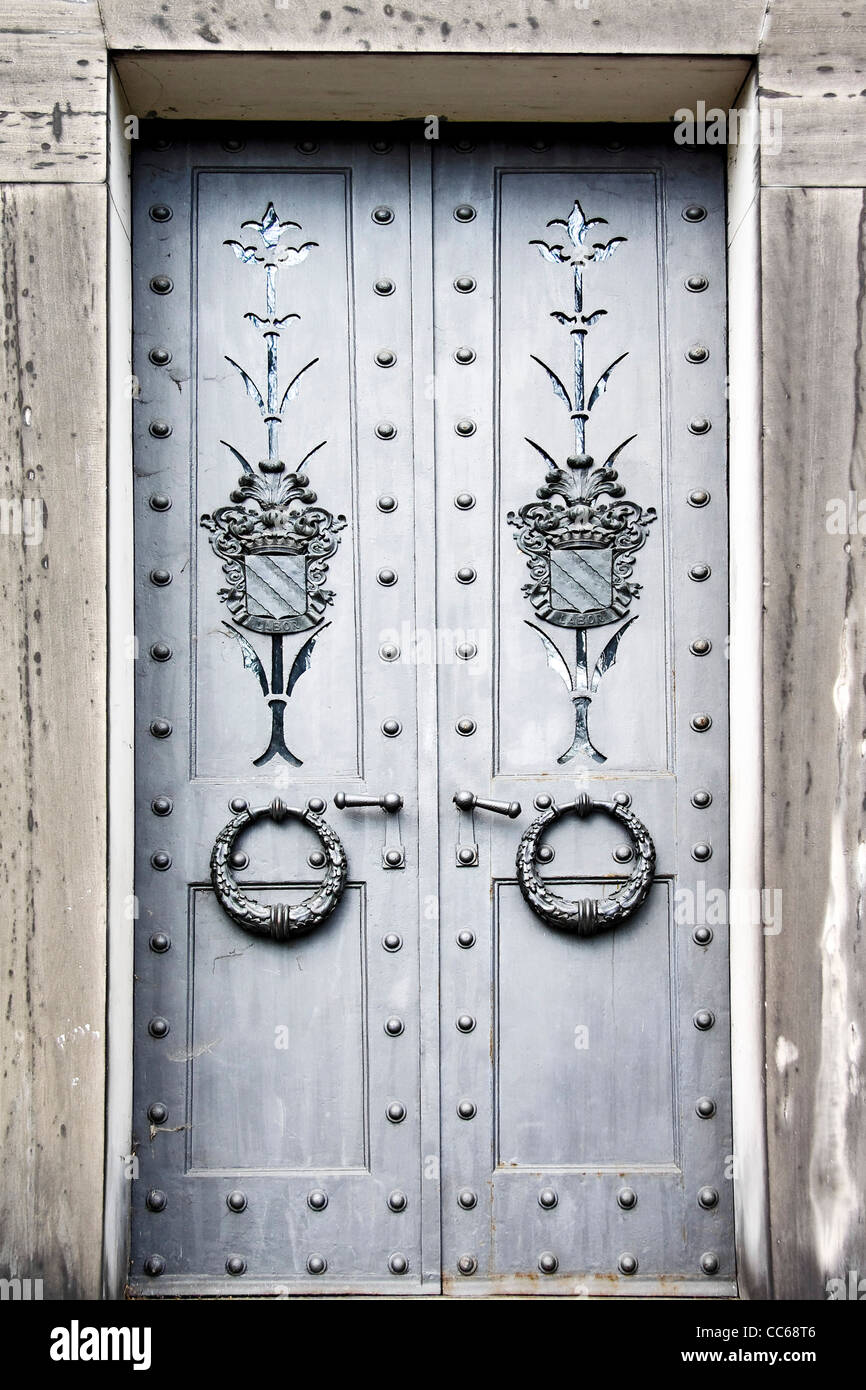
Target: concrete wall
[[193, 60]]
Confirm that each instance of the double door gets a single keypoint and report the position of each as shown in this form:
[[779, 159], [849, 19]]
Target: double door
[[430, 552]]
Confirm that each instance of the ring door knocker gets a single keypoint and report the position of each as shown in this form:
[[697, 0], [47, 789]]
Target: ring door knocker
[[587, 916], [280, 921]]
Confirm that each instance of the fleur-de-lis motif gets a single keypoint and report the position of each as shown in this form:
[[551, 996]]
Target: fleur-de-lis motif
[[273, 540], [581, 535]]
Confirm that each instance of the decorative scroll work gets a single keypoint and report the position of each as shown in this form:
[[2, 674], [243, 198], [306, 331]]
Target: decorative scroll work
[[582, 534], [273, 539]]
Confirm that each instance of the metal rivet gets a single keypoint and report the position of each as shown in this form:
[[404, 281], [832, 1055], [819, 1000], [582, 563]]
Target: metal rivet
[[463, 146], [700, 723], [160, 213], [466, 1110], [159, 502], [156, 1200], [627, 1264], [387, 578], [236, 1201], [394, 858], [706, 1108], [700, 572], [464, 213], [615, 146], [388, 651], [160, 357], [547, 1198], [317, 805], [697, 283], [382, 215], [317, 1264], [392, 941], [466, 1199], [623, 853], [698, 352], [466, 856], [154, 1265], [396, 1112], [317, 1200], [699, 498], [381, 146], [160, 728], [704, 1019], [394, 1026], [702, 852], [159, 942], [238, 859], [466, 575], [543, 802], [238, 804], [398, 1201], [398, 1264], [710, 1263], [387, 503], [467, 1264], [544, 854], [539, 146], [548, 1263], [708, 1198], [306, 146], [159, 1027], [316, 859], [464, 501], [700, 425], [702, 936], [391, 728], [465, 1023], [464, 284], [466, 727], [622, 799], [233, 146], [160, 578], [466, 651], [464, 355], [162, 284], [160, 651], [465, 428], [465, 938], [157, 1113], [701, 799], [161, 860], [694, 213], [626, 1198], [384, 287], [386, 429], [701, 646], [385, 358]]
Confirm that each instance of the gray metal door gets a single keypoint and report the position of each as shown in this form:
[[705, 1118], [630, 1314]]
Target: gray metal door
[[431, 547]]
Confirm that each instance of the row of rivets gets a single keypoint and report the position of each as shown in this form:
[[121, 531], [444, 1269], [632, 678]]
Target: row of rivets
[[699, 497], [548, 1263]]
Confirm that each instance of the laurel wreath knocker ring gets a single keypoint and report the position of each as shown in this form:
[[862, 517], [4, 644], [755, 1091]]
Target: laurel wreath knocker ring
[[588, 916], [280, 921]]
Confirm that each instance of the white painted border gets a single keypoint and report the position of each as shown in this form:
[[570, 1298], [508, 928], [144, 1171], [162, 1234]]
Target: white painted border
[[746, 605], [121, 687], [751, 1202]]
